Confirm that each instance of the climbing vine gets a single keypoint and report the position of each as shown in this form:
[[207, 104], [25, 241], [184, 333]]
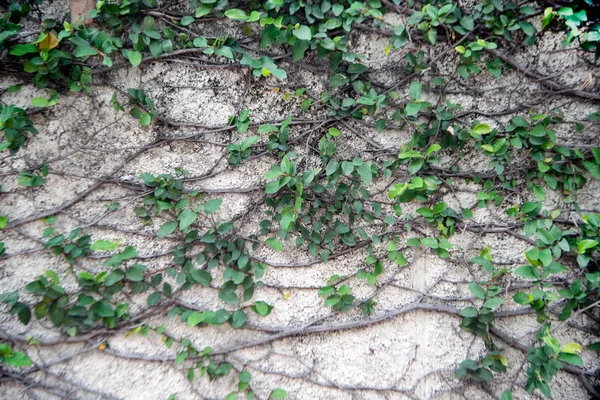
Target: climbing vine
[[386, 207]]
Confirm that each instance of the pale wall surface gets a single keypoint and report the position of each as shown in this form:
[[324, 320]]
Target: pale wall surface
[[409, 355]]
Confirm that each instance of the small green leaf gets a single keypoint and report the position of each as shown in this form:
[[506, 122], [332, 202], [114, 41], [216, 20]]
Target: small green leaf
[[275, 244], [415, 90], [135, 273], [571, 348], [186, 218], [482, 129], [430, 242], [493, 302], [135, 57], [302, 33], [238, 319], [187, 20], [477, 290], [572, 359], [278, 394], [166, 229], [145, 119], [194, 319], [469, 312], [104, 245], [506, 395], [39, 102], [586, 244], [262, 308], [212, 205], [22, 49], [103, 309], [236, 14], [526, 272]]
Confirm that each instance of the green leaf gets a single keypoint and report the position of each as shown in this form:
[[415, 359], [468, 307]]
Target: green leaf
[[238, 319], [272, 187], [482, 129], [467, 22], [275, 244], [334, 132], [477, 290], [338, 80], [201, 276], [135, 57], [522, 298], [145, 119], [181, 356], [506, 395], [212, 205], [571, 348], [357, 69], [469, 312], [341, 229], [430, 242], [194, 319], [415, 165], [82, 47], [103, 309], [298, 49], [166, 229], [186, 218], [412, 109], [114, 277], [431, 36], [154, 299], [493, 302], [278, 394], [117, 259], [572, 359], [18, 359], [236, 14], [364, 170], [529, 206], [200, 42], [586, 244], [104, 245], [593, 168], [415, 90], [526, 272], [22, 49], [135, 273], [302, 33], [187, 20], [332, 300], [262, 308], [539, 192], [224, 227], [39, 102]]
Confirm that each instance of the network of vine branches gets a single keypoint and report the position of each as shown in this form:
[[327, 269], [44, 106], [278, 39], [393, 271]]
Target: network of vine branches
[[284, 199]]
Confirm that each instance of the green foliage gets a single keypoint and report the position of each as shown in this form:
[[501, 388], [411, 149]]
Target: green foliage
[[547, 358], [241, 151], [75, 245], [33, 179], [328, 202], [13, 358], [241, 121], [14, 126], [141, 107], [338, 299], [482, 371]]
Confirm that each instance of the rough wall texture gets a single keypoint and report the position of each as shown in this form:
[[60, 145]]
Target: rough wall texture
[[407, 349]]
